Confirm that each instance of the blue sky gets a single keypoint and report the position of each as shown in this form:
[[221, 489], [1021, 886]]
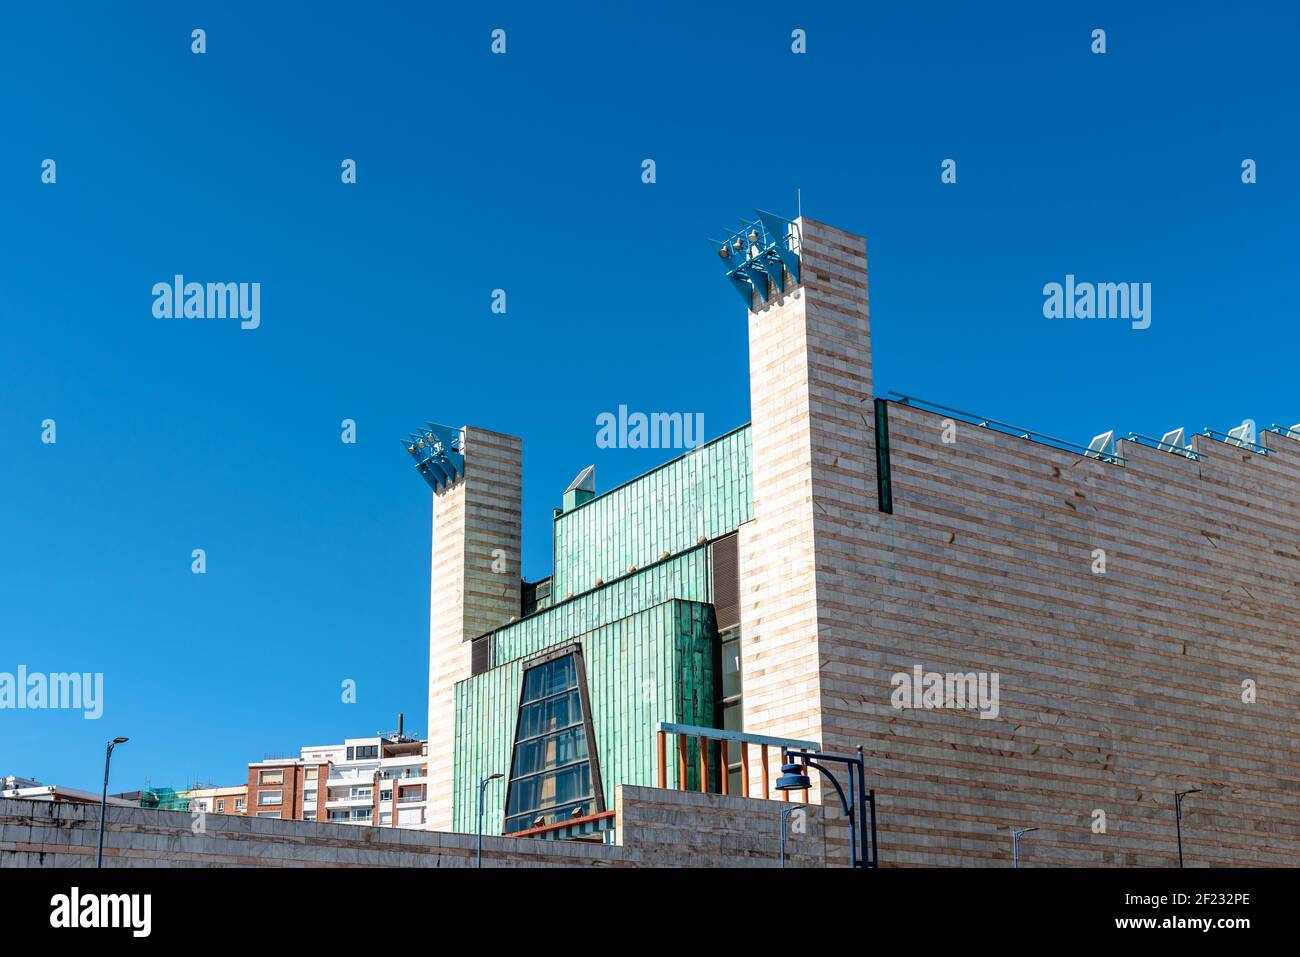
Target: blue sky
[[522, 172]]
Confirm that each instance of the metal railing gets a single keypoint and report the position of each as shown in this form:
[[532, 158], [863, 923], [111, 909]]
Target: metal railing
[[970, 418], [725, 740], [590, 827], [1240, 443], [1163, 446]]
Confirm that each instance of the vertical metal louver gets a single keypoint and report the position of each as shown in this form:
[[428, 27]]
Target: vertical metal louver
[[480, 654], [726, 581]]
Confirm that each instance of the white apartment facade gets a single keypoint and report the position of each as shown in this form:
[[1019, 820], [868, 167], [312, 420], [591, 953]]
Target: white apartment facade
[[379, 780]]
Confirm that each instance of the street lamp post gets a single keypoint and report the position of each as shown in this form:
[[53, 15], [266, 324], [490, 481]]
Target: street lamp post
[[794, 777], [1178, 818], [785, 814], [1016, 833], [103, 799], [482, 786]]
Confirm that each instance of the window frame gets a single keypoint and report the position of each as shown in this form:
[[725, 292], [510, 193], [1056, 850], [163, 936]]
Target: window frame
[[573, 649]]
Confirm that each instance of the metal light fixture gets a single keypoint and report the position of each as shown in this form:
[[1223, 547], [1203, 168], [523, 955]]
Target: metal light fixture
[[793, 777], [785, 813], [482, 785], [103, 800], [855, 803], [724, 253], [753, 237], [1178, 818], [738, 245], [1016, 834]]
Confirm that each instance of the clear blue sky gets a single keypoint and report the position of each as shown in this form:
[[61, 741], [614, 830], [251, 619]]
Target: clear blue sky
[[522, 172]]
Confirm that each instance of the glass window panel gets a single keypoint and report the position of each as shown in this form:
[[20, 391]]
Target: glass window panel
[[730, 668], [550, 772], [733, 718]]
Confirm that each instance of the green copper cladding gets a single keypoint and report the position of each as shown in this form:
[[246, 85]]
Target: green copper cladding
[[644, 622], [707, 492], [651, 666], [685, 576]]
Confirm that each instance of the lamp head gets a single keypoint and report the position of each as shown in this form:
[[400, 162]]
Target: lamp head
[[794, 777], [120, 740]]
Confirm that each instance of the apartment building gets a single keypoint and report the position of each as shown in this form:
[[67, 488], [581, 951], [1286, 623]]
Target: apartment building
[[380, 780], [219, 800]]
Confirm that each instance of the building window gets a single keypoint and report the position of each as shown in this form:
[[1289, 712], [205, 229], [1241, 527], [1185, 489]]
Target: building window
[[270, 777], [221, 806], [552, 775], [365, 752], [884, 480], [732, 706], [269, 797], [239, 804], [268, 813], [361, 813], [386, 795], [309, 774]]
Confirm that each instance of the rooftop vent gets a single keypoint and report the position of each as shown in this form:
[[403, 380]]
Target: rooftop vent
[[1174, 440], [1102, 447], [582, 489], [1243, 435]]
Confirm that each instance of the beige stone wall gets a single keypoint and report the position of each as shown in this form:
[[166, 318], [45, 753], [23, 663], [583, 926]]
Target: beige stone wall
[[474, 521], [656, 829], [810, 397], [1114, 689]]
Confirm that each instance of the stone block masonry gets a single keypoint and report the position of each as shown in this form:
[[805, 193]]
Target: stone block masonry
[[655, 828]]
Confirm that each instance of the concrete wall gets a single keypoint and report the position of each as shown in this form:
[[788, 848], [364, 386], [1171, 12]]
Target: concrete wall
[[655, 829]]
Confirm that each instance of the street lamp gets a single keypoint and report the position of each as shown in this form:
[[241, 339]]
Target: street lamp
[[1016, 833], [785, 813], [103, 800], [794, 777], [1178, 818], [482, 786]]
